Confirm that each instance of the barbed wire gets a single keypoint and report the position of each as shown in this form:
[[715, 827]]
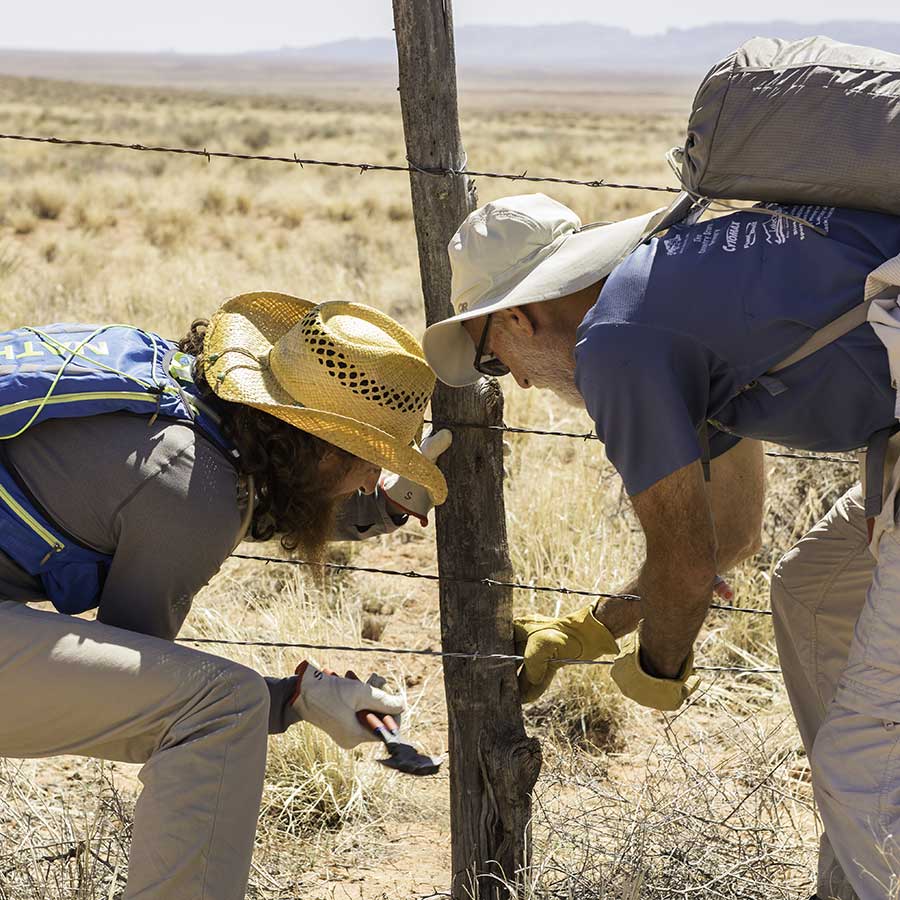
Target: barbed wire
[[446, 654], [486, 582], [363, 167], [590, 436], [814, 457], [209, 155]]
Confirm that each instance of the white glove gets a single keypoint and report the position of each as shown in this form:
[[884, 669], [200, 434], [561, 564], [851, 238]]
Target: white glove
[[331, 703], [413, 499]]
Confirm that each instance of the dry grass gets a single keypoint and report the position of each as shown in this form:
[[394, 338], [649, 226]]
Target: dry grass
[[731, 824], [714, 802], [62, 844]]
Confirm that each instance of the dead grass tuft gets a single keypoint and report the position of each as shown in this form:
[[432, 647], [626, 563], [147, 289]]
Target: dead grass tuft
[[738, 826], [22, 221], [77, 848], [214, 200], [46, 200], [168, 228]]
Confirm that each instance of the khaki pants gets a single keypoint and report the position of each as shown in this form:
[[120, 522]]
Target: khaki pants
[[197, 722], [837, 626]]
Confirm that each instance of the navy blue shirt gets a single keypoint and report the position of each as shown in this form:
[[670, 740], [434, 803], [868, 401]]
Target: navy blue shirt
[[689, 320]]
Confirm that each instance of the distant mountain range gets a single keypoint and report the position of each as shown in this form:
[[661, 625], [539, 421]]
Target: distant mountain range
[[517, 60], [585, 46]]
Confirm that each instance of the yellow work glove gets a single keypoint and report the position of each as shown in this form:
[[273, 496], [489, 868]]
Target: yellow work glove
[[657, 693], [541, 640]]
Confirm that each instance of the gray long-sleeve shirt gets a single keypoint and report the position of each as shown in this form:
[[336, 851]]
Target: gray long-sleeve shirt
[[162, 501]]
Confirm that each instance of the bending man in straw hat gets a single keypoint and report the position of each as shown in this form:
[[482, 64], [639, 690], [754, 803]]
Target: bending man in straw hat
[[657, 337], [285, 408]]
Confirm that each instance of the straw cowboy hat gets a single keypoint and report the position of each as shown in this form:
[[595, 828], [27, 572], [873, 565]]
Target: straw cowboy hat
[[517, 250], [344, 372]]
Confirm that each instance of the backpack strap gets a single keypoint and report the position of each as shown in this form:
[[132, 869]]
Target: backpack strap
[[876, 454], [681, 209], [829, 333], [876, 451], [703, 435]]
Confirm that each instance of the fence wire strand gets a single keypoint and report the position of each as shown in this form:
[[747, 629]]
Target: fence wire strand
[[590, 436], [361, 167], [484, 582], [448, 654]]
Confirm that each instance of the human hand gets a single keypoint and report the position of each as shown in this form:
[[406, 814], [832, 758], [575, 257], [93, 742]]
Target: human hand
[[411, 498], [648, 690], [722, 589], [542, 639], [331, 702]]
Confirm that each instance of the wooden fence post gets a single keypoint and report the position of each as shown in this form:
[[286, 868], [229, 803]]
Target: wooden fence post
[[493, 764]]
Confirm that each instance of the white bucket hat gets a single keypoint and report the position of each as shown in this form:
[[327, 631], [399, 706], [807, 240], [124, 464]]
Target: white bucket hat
[[520, 250]]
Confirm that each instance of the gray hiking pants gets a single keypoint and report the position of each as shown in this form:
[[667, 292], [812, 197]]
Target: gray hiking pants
[[837, 626], [198, 723]]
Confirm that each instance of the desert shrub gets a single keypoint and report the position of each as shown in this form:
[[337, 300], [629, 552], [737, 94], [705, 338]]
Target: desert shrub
[[93, 216], [399, 212], [167, 228], [685, 823], [75, 848], [257, 138], [22, 221], [214, 200], [46, 200]]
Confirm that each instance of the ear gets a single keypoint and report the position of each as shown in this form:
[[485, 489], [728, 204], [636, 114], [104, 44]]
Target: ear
[[330, 453], [519, 321]]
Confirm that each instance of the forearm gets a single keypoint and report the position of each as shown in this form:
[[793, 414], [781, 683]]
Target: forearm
[[621, 616], [736, 494], [674, 607], [676, 583]]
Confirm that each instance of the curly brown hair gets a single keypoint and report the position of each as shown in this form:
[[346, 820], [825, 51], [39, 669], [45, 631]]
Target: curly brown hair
[[293, 500]]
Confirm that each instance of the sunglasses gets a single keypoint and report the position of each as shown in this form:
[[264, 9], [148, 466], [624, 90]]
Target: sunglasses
[[488, 365]]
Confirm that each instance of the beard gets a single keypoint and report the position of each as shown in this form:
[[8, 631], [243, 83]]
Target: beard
[[317, 529], [551, 367]]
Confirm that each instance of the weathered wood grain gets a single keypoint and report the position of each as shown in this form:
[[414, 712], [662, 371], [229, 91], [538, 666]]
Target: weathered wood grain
[[493, 763]]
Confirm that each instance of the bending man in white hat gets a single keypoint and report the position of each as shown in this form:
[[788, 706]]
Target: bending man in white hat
[[670, 346], [132, 467]]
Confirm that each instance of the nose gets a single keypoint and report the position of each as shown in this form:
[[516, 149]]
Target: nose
[[370, 481], [521, 380]]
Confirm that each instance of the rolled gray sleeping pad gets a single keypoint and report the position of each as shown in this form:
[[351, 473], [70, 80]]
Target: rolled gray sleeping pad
[[809, 122]]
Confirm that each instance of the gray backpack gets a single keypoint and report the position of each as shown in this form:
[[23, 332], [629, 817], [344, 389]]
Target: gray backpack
[[797, 122], [811, 121]]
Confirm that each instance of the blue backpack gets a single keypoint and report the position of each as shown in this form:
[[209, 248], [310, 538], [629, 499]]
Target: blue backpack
[[68, 371]]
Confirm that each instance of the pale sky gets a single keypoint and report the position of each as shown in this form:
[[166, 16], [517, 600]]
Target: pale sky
[[222, 26]]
